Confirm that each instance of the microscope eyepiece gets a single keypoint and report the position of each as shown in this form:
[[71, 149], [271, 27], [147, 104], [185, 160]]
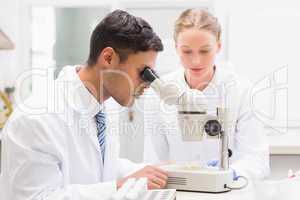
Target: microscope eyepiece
[[149, 75]]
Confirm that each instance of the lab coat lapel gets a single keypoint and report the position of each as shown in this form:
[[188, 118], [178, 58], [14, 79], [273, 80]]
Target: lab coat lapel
[[94, 140], [83, 107], [90, 131], [112, 143], [109, 168]]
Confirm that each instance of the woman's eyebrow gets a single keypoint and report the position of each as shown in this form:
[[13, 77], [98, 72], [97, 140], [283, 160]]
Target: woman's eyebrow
[[185, 46], [204, 46]]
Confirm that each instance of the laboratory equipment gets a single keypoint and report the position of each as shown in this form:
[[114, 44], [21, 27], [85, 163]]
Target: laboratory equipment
[[5, 108], [195, 125]]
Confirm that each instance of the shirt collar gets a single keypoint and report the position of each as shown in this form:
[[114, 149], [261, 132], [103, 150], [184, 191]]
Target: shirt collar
[[76, 94]]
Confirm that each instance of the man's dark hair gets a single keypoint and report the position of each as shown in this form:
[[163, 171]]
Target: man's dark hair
[[125, 33]]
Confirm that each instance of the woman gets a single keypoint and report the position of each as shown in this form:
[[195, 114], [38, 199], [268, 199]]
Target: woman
[[197, 38]]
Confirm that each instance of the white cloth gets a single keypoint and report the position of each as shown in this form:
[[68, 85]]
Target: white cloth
[[55, 154], [246, 137]]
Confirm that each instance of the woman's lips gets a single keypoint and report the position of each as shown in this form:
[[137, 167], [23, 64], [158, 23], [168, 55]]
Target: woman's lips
[[196, 69]]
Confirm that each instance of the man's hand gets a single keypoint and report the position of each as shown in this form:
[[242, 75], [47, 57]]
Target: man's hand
[[157, 178]]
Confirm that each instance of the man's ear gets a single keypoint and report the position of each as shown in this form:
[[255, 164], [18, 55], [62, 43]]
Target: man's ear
[[108, 57]]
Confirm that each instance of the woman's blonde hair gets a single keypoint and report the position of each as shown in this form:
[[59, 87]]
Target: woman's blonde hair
[[200, 19]]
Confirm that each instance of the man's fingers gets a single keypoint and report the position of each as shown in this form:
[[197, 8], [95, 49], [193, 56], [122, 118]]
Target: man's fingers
[[153, 185], [161, 182], [157, 178], [161, 176], [160, 171]]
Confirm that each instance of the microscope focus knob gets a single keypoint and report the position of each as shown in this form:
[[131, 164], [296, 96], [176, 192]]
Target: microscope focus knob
[[229, 153], [213, 127]]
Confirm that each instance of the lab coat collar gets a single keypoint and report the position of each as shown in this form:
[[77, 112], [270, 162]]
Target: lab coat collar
[[76, 94], [185, 85], [82, 102]]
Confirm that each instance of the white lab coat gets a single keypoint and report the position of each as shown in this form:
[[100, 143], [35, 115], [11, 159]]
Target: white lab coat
[[246, 137], [55, 154]]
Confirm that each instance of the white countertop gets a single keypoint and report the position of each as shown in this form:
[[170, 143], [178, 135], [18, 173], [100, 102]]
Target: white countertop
[[265, 190], [285, 143], [232, 195]]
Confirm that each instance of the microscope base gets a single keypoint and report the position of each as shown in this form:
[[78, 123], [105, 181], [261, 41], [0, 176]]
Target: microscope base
[[198, 179]]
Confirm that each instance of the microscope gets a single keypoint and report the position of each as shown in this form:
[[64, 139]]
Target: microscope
[[195, 125]]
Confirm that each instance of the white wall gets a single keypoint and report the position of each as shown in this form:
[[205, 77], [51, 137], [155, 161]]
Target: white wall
[[259, 44], [8, 59]]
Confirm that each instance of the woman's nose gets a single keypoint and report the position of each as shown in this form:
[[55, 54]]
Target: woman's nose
[[196, 60]]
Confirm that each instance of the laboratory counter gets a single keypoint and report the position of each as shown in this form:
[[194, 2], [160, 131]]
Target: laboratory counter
[[263, 190]]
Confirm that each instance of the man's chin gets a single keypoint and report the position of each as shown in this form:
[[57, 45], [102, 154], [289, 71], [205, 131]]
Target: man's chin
[[127, 103]]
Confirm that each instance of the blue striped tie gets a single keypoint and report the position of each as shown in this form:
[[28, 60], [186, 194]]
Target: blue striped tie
[[100, 122]]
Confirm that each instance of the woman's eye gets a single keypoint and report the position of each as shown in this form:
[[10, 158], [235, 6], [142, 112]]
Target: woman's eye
[[204, 51], [187, 52]]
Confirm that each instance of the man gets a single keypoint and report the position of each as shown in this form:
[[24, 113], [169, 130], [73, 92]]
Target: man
[[67, 154]]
